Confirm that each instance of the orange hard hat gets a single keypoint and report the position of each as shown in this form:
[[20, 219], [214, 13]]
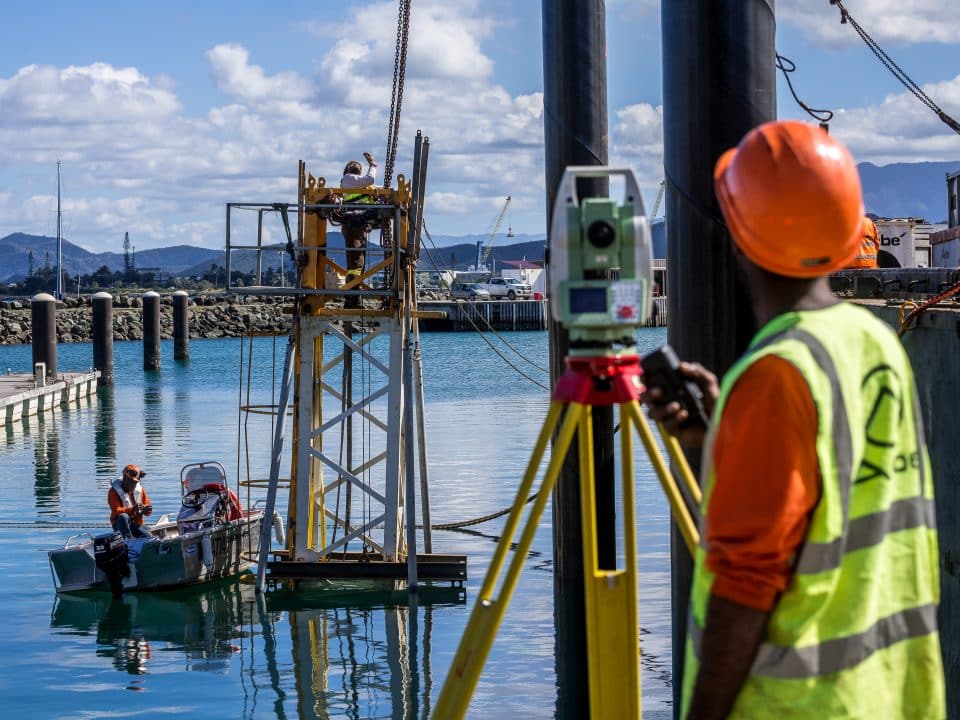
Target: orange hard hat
[[791, 196], [133, 472]]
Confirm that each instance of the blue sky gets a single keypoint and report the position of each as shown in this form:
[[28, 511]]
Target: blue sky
[[163, 112]]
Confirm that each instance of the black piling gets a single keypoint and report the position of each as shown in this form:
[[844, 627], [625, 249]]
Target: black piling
[[151, 331], [575, 133], [43, 328], [181, 325], [719, 82], [103, 336]]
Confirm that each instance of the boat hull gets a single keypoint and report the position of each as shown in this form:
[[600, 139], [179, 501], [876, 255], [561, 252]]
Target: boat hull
[[170, 559]]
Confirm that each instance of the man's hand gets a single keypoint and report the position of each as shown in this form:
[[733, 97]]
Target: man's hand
[[370, 159], [146, 510], [671, 415]]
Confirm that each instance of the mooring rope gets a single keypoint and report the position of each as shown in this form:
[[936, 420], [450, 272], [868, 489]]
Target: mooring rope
[[55, 524]]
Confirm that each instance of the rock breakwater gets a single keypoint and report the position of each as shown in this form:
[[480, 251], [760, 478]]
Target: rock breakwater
[[211, 316]]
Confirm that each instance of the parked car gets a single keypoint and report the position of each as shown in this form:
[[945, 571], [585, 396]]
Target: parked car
[[468, 291], [509, 288]]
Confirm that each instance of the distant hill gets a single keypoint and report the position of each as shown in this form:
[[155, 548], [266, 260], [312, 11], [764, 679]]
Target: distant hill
[[897, 190], [907, 189], [15, 257]]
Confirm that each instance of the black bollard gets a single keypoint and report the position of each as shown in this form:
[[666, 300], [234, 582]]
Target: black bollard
[[575, 133], [181, 325], [719, 79], [43, 322], [103, 336], [151, 330]]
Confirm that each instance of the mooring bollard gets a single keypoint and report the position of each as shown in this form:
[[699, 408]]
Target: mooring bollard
[[181, 325], [103, 336], [43, 323], [151, 330]]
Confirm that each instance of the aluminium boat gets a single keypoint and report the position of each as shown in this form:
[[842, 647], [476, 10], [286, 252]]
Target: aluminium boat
[[212, 537]]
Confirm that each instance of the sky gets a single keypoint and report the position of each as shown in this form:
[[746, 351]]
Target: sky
[[163, 112]]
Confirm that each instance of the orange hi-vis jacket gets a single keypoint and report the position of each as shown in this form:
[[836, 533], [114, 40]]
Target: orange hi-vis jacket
[[121, 501], [869, 246]]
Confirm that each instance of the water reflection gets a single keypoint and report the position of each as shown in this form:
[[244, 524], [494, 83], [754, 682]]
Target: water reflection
[[129, 630], [46, 453], [105, 433], [152, 416], [359, 656], [320, 653], [182, 429]]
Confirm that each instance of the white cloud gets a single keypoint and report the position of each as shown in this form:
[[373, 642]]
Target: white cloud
[[898, 21], [901, 129], [135, 159], [46, 95]]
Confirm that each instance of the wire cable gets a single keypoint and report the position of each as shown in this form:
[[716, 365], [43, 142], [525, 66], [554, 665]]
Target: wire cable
[[898, 72], [492, 329], [788, 66], [482, 334]]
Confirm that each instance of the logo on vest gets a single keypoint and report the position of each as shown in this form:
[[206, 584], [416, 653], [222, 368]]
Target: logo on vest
[[883, 391]]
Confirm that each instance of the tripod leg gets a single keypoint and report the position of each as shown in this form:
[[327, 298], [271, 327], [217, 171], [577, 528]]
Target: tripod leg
[[680, 513], [488, 611], [681, 464], [613, 656]]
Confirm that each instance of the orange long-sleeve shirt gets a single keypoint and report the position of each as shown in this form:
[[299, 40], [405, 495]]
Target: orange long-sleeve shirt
[[766, 483], [117, 507]]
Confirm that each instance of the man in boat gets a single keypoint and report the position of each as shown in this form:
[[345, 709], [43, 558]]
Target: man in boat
[[354, 225], [129, 503], [816, 585]]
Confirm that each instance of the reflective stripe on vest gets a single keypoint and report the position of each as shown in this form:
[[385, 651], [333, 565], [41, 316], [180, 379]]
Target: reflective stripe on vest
[[838, 654], [857, 623]]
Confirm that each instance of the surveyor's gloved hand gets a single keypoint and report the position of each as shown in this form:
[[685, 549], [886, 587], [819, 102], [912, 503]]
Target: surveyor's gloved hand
[[671, 415]]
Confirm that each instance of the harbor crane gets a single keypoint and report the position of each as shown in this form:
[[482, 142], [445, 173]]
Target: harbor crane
[[484, 248]]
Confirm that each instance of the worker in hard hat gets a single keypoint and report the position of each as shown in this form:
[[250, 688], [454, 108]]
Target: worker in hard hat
[[355, 225], [869, 249], [816, 585], [129, 503]]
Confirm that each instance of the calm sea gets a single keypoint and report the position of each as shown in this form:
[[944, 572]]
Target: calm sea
[[330, 652]]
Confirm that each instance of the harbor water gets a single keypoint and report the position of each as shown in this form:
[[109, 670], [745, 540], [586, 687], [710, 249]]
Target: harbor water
[[344, 651]]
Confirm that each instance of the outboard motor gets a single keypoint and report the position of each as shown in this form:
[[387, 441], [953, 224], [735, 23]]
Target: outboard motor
[[110, 555]]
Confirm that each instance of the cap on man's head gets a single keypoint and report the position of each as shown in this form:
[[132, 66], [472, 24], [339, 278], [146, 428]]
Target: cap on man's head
[[133, 472]]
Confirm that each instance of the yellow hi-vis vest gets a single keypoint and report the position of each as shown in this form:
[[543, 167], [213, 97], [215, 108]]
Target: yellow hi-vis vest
[[854, 635]]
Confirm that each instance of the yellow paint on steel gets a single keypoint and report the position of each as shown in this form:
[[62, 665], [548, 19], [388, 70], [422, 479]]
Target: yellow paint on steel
[[488, 611], [681, 464], [680, 513], [610, 595]]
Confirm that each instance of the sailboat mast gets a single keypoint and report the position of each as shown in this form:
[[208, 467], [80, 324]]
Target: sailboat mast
[[59, 291]]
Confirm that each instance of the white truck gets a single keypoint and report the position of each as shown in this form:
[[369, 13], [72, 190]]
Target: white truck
[[508, 288]]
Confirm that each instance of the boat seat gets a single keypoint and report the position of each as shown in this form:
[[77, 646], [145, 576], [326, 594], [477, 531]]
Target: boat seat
[[202, 475]]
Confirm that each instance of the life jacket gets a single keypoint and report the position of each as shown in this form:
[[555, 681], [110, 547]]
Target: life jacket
[[128, 499], [854, 635]]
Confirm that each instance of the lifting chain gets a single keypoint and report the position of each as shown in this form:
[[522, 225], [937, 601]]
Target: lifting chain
[[396, 97]]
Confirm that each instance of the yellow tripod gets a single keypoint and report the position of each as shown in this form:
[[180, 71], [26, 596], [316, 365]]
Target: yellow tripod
[[610, 595]]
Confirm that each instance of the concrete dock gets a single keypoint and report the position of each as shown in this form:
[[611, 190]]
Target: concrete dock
[[21, 395]]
